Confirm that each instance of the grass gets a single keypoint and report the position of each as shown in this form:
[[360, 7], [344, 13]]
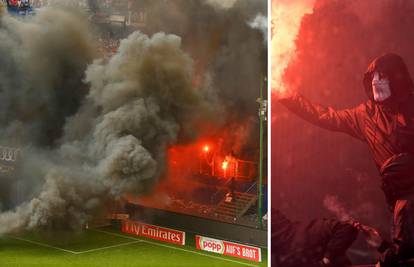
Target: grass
[[106, 247]]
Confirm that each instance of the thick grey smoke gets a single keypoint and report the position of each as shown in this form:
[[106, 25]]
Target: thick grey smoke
[[42, 64], [91, 130], [41, 70], [111, 141], [227, 42], [230, 56]]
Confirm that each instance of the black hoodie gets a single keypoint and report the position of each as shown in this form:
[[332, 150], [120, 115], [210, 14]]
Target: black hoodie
[[387, 127]]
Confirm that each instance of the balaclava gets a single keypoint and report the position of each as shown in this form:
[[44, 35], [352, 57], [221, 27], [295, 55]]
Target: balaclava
[[380, 87]]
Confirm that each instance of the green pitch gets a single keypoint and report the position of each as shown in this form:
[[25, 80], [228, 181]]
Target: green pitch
[[105, 247]]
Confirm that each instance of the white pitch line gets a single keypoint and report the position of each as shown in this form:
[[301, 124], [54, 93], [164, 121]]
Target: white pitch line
[[181, 249], [43, 244], [113, 246], [74, 252]]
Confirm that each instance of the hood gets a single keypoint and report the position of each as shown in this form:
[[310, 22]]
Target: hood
[[393, 66]]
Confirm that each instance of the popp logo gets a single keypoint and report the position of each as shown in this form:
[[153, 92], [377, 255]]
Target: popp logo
[[212, 245]]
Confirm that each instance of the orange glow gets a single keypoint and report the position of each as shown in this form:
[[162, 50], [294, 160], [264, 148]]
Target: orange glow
[[225, 164], [206, 148], [286, 19]]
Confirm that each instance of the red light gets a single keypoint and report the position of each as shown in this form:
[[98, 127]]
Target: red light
[[224, 164], [206, 148]]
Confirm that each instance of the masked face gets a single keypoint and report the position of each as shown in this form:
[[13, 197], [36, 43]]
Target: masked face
[[380, 87]]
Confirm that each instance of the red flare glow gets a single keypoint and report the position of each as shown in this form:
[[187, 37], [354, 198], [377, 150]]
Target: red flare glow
[[225, 164]]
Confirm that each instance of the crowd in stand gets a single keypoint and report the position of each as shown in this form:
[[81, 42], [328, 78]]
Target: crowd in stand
[[108, 46], [18, 3]]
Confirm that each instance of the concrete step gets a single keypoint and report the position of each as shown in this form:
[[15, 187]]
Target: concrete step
[[235, 209]]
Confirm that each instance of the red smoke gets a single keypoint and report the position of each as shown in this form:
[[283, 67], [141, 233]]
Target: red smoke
[[334, 46], [219, 154]]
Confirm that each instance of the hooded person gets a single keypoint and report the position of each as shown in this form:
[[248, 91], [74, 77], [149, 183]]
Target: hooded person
[[316, 243], [386, 124]]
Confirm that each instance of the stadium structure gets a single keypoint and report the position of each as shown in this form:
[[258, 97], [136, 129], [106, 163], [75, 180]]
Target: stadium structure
[[209, 208]]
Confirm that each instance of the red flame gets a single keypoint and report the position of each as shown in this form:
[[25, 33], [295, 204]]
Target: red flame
[[206, 148], [209, 157], [225, 164]]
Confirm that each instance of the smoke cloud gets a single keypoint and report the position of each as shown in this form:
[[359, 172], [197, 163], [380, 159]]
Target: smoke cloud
[[260, 23], [221, 4], [334, 45], [41, 74], [230, 57], [286, 18], [90, 129], [111, 121]]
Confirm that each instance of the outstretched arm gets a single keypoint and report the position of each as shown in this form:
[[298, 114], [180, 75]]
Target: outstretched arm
[[326, 117]]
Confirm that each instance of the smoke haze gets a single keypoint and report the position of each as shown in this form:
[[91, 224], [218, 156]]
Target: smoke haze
[[334, 46], [115, 143], [41, 74], [229, 55], [90, 129]]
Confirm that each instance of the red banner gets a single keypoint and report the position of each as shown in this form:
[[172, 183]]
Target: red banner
[[154, 232], [228, 248]]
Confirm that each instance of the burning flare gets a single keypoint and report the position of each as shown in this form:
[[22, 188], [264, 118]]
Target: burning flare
[[286, 18], [225, 164]]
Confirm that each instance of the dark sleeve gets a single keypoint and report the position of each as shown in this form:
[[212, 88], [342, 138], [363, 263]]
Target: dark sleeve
[[343, 235], [326, 117]]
